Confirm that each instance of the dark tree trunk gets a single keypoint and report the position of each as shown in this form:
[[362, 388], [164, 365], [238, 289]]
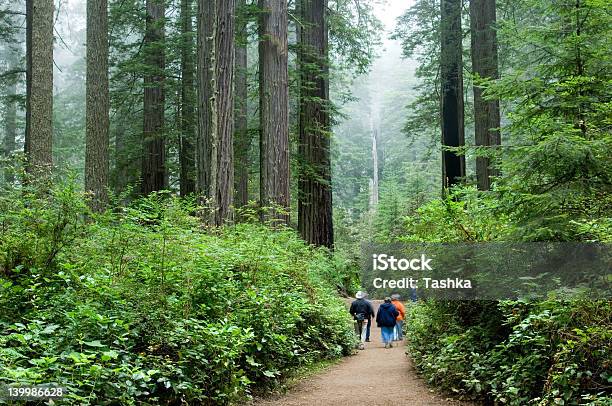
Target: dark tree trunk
[[154, 146], [315, 192], [39, 84], [188, 120], [205, 141], [451, 64], [485, 65], [216, 134], [243, 138], [97, 104], [274, 107]]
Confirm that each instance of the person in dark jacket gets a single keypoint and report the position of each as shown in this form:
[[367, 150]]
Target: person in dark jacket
[[385, 319], [362, 312]]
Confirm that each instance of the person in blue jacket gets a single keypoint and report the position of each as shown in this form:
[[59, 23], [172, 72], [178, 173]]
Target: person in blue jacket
[[385, 319]]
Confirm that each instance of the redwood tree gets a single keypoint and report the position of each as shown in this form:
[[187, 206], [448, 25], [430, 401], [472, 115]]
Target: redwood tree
[[242, 142], [188, 119], [484, 65], [154, 145], [97, 104], [274, 107], [216, 102], [39, 83], [452, 114], [315, 193]]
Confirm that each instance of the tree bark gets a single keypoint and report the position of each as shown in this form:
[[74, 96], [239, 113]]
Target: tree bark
[[10, 120], [205, 156], [216, 137], [452, 114], [97, 105], [154, 146], [188, 120], [39, 84], [224, 97], [315, 222], [485, 65], [274, 109], [243, 138]]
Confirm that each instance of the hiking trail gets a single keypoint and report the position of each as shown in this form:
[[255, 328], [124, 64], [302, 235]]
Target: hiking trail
[[375, 376]]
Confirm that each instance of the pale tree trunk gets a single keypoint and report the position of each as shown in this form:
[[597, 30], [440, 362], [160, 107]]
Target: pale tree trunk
[[187, 113], [10, 131], [485, 65], [452, 114], [274, 108], [216, 134], [121, 158], [97, 105], [374, 120], [243, 138], [315, 221], [154, 145], [39, 84], [9, 144]]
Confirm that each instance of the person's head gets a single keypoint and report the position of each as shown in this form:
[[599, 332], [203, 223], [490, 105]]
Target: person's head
[[359, 295], [387, 300], [395, 296]]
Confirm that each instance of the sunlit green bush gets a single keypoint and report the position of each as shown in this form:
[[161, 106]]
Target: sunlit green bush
[[142, 305]]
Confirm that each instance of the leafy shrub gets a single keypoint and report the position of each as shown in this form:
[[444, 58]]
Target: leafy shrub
[[545, 353], [141, 305], [549, 352]]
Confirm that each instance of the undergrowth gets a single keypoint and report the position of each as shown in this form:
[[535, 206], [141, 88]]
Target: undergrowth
[[142, 305]]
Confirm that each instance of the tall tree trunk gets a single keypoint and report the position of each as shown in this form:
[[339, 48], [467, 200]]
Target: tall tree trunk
[[216, 133], [315, 221], [374, 125], [452, 114], [274, 107], [9, 144], [243, 138], [154, 146], [205, 142], [39, 84], [224, 98], [97, 104], [484, 64], [188, 120]]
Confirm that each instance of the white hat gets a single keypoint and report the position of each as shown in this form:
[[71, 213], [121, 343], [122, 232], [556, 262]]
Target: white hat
[[360, 295]]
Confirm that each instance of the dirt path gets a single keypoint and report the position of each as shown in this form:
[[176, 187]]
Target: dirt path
[[375, 376]]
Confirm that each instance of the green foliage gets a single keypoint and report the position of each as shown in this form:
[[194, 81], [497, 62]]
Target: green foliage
[[515, 353], [557, 172], [354, 33], [140, 305]]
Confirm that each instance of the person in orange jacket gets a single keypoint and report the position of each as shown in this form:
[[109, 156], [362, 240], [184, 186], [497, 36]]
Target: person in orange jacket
[[399, 322]]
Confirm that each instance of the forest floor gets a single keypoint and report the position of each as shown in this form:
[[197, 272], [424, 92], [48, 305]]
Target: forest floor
[[375, 376]]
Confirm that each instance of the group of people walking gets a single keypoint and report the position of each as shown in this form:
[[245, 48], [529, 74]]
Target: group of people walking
[[389, 318]]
